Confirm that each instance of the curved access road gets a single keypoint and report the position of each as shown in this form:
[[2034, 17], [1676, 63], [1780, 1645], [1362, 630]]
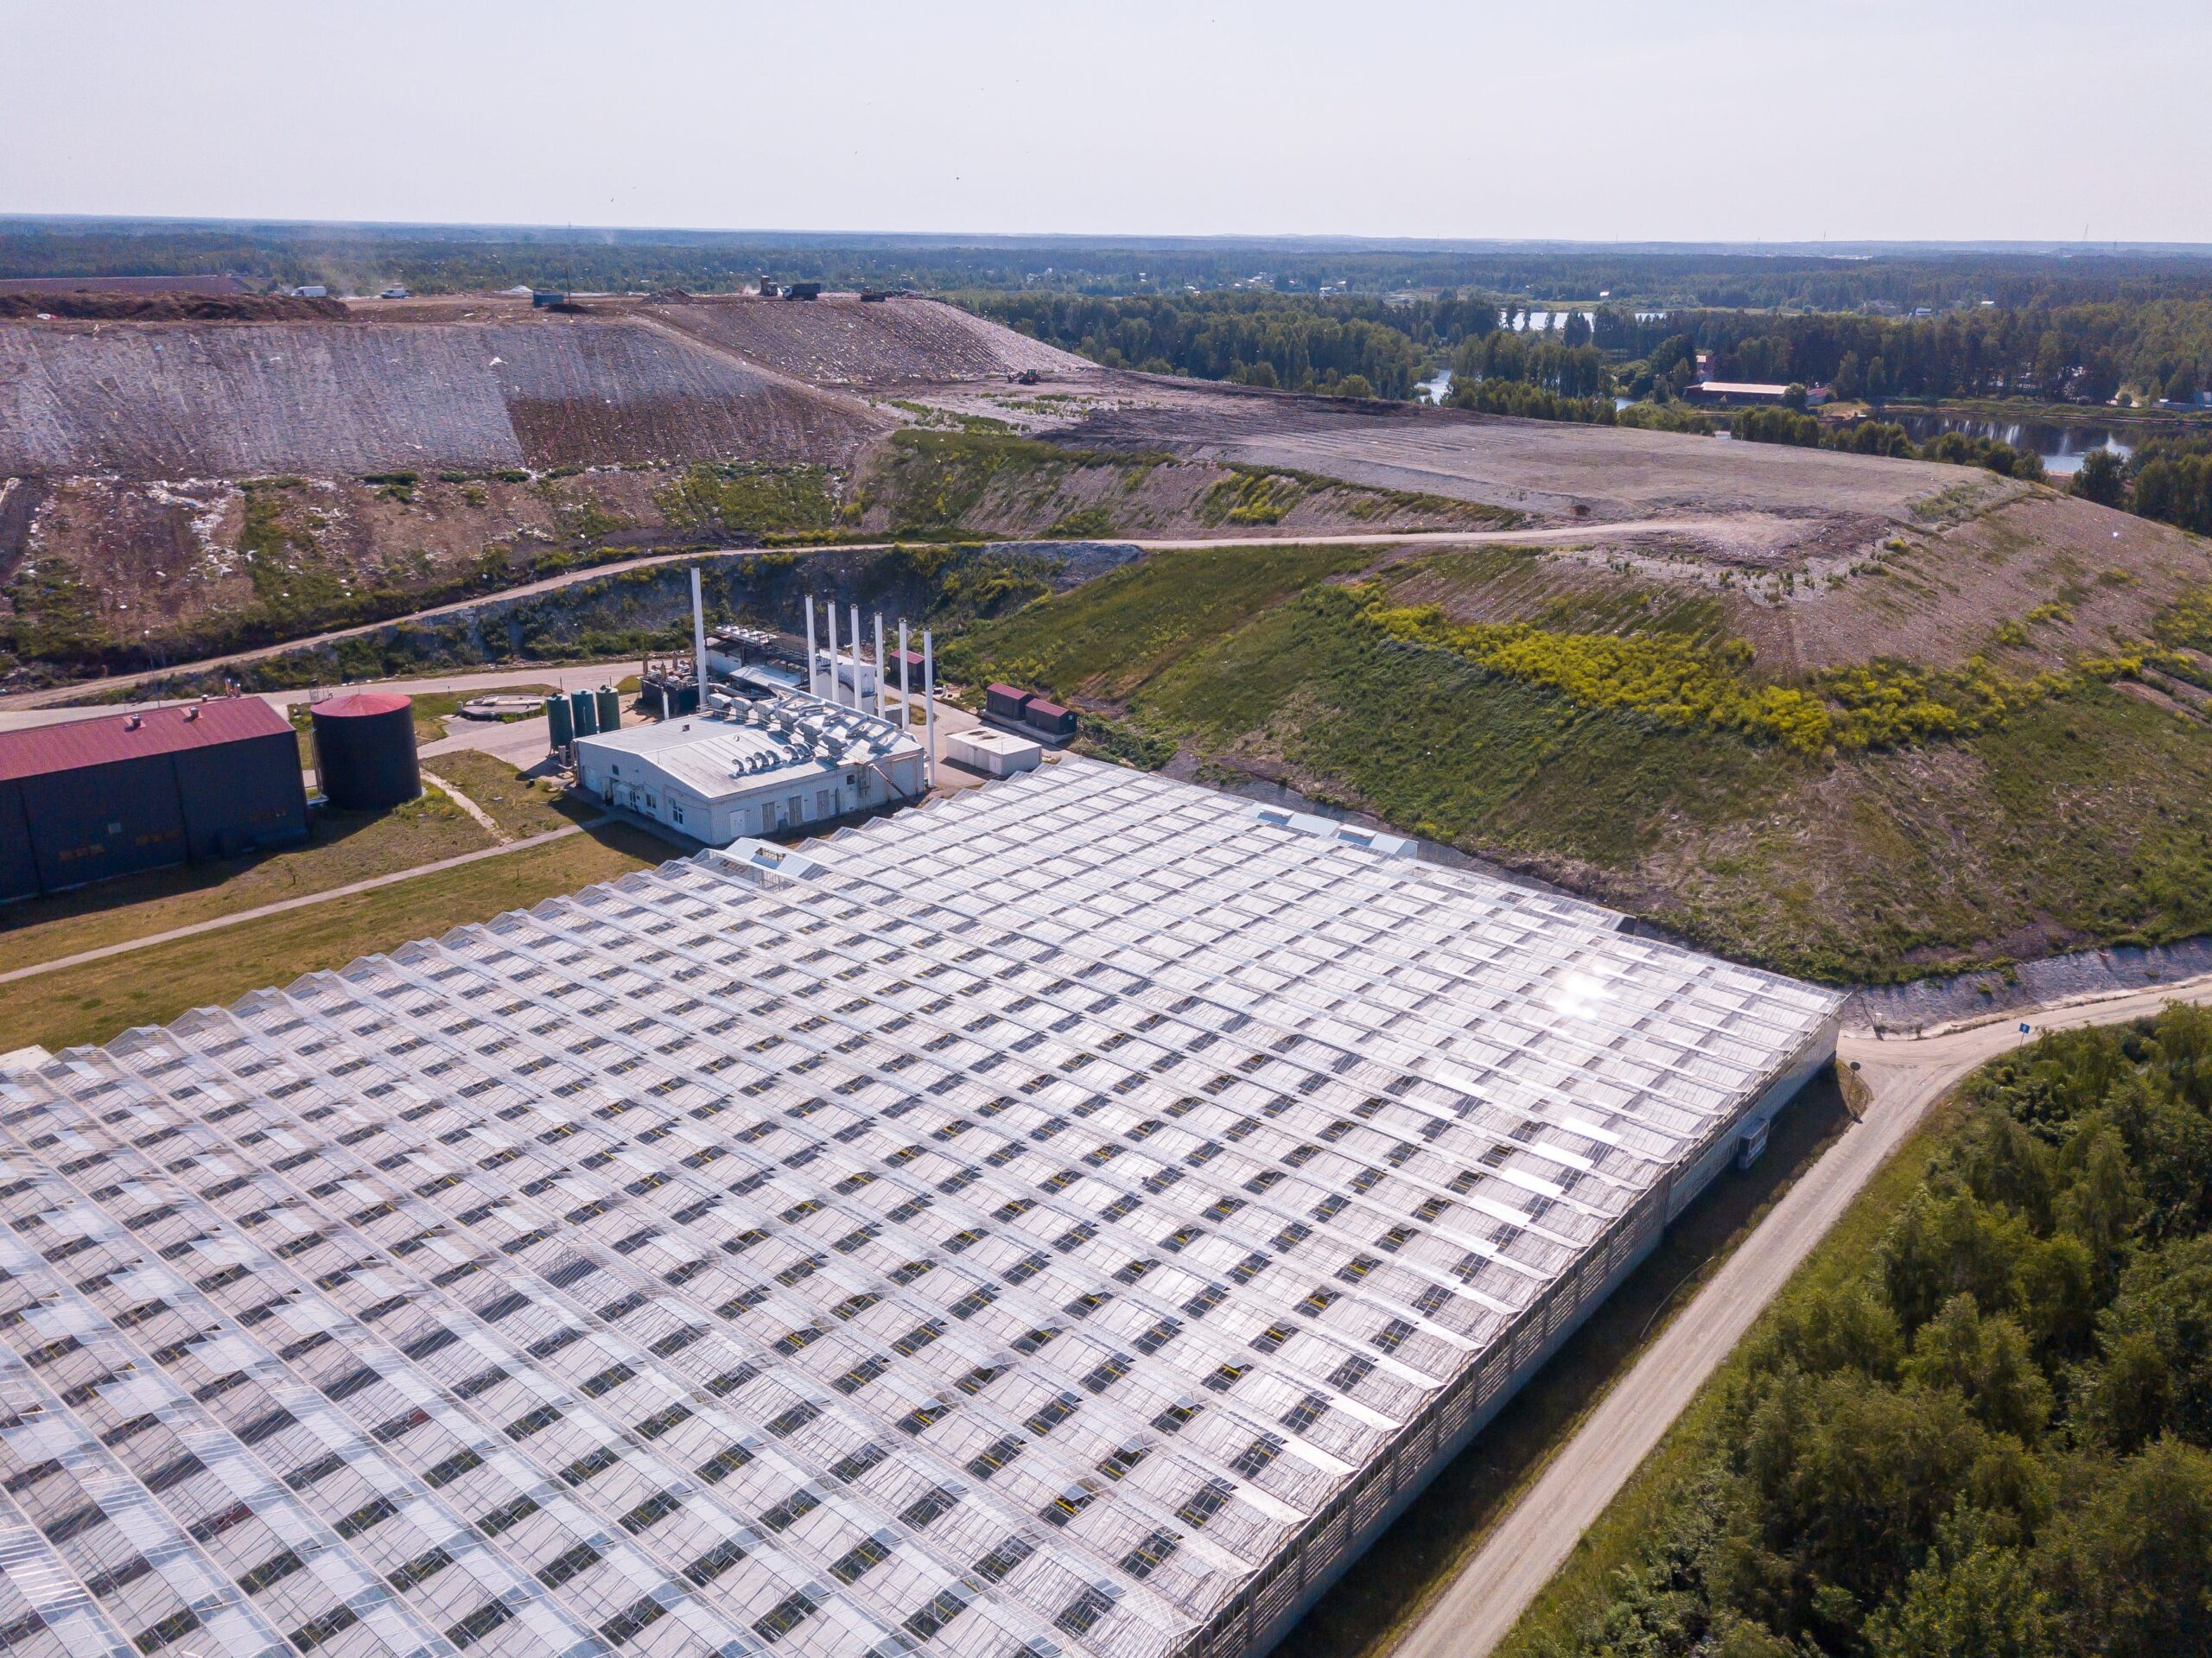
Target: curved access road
[[1577, 534], [1904, 1078], [48, 696]]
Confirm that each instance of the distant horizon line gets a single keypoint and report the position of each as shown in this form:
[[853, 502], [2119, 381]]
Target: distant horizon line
[[1292, 241]]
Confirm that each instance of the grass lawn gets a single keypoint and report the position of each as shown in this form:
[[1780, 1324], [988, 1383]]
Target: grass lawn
[[517, 804], [1366, 1609], [1585, 1584], [342, 847], [100, 999]]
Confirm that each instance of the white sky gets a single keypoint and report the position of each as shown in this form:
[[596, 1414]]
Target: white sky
[[1688, 120]]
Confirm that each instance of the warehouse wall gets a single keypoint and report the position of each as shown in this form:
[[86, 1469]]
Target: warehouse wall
[[18, 865], [242, 796], [92, 822]]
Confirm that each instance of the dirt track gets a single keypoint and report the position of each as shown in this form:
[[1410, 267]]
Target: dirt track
[[52, 696]]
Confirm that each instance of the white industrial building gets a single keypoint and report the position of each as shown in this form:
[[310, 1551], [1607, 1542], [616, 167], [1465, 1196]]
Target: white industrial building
[[1071, 1217], [994, 754], [753, 768]]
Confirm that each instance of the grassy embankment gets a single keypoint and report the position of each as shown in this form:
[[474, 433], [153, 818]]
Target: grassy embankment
[[96, 1001], [937, 485], [1869, 824], [629, 614]]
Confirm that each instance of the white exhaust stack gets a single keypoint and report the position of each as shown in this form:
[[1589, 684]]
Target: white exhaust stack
[[929, 713], [854, 639], [879, 665], [699, 638], [830, 609], [906, 702], [813, 672]]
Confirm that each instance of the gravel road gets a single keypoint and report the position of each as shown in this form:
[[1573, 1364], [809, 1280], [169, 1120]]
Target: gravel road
[[1905, 1077]]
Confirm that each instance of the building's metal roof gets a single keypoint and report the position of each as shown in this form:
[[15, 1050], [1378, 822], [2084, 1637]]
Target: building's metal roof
[[722, 757], [71, 744], [359, 705], [995, 1231]]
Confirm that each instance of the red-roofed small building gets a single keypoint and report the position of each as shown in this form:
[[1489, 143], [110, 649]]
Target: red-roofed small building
[[84, 799]]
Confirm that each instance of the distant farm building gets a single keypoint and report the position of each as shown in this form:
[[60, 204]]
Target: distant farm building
[[1748, 392], [88, 799]]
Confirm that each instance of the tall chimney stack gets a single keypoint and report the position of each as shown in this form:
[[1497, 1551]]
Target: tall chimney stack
[[813, 674], [699, 638]]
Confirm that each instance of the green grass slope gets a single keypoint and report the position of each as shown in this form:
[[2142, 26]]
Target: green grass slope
[[1859, 824]]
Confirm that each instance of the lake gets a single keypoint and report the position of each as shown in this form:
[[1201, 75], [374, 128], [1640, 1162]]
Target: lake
[[2062, 446]]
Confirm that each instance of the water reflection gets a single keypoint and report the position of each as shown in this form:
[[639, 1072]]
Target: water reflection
[[2063, 448]]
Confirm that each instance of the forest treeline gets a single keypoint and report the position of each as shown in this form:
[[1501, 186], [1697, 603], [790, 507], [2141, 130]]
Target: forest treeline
[[2161, 348], [1995, 1441], [445, 258], [2167, 479]]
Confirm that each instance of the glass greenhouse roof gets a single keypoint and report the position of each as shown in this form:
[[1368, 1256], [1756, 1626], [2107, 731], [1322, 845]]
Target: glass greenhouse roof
[[1003, 1227]]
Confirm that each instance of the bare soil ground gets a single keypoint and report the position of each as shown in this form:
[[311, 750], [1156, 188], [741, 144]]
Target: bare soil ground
[[239, 400], [844, 340], [132, 285], [165, 558], [126, 443], [1547, 468]]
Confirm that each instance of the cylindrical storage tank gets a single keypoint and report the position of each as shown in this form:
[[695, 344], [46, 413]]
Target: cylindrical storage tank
[[586, 712], [610, 708], [560, 723], [365, 751]]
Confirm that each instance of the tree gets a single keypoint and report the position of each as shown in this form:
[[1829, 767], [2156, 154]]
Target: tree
[[2157, 1335], [2100, 479], [1793, 397], [1986, 1360], [1972, 1599], [2133, 1567]]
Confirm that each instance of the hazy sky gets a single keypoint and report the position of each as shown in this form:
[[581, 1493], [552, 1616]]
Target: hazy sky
[[1777, 119]]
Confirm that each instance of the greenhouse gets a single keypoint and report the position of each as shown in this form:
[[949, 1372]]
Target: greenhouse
[[1070, 1217]]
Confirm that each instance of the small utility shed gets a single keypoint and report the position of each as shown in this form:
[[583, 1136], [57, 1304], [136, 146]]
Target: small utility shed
[[84, 799]]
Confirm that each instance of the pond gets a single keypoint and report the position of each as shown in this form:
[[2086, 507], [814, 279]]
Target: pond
[[2062, 446]]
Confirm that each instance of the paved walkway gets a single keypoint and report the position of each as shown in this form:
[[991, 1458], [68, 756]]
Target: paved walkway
[[1905, 1077], [218, 922]]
